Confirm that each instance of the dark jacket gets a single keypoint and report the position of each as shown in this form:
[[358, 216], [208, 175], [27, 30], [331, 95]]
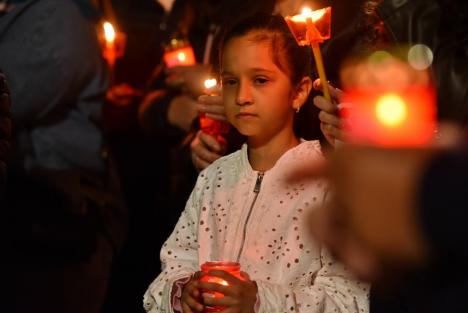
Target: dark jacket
[[5, 131]]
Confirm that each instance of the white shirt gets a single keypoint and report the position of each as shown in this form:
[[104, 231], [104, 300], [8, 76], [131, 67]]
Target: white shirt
[[225, 220]]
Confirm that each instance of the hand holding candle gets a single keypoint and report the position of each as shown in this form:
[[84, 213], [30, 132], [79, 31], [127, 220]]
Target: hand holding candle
[[211, 126], [225, 287]]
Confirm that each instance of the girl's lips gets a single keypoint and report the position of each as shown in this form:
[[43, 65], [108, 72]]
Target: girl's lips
[[246, 115]]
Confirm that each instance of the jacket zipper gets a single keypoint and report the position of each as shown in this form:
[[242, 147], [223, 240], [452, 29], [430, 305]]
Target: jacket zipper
[[256, 190]]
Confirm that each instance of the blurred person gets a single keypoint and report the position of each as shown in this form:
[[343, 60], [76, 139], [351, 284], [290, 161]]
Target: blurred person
[[265, 85], [63, 219], [396, 217]]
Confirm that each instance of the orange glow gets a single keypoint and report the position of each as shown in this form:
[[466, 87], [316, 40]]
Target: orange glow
[[391, 110], [390, 119], [180, 57], [308, 13], [321, 25], [210, 83], [109, 32]]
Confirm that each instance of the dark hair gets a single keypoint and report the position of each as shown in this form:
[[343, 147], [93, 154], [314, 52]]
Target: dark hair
[[287, 54]]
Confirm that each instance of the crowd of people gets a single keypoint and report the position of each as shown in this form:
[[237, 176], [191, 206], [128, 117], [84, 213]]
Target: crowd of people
[[113, 195]]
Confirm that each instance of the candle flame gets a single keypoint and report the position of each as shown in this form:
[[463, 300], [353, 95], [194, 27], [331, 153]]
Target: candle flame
[[210, 83], [309, 13], [109, 32], [391, 110], [181, 57]]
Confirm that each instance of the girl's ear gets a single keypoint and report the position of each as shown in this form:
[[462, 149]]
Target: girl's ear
[[302, 93]]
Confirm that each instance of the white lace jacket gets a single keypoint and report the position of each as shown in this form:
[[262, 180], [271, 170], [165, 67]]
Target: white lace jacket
[[235, 215]]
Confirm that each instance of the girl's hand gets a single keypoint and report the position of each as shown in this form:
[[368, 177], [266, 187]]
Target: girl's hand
[[213, 107], [205, 149], [191, 295], [330, 122], [239, 297]]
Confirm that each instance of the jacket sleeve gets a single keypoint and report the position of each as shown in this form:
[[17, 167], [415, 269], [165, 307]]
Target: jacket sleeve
[[331, 289], [179, 257]]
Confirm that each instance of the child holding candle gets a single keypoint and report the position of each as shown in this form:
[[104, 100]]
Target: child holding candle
[[244, 209]]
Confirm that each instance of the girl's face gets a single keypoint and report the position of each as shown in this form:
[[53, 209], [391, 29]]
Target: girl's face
[[258, 96]]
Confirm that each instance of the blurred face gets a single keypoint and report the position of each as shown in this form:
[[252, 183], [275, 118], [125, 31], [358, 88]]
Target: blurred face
[[258, 96]]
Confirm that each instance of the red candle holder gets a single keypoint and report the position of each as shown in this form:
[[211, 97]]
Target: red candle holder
[[232, 268], [179, 53], [321, 19], [209, 125]]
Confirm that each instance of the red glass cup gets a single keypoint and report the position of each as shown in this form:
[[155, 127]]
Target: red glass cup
[[232, 268]]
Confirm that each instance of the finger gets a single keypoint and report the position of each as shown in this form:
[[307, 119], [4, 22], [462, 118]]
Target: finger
[[331, 119], [334, 92], [193, 304], [212, 101], [217, 117], [200, 164], [203, 154], [225, 290], [209, 300], [198, 275], [330, 138], [186, 308], [209, 141], [245, 276], [325, 105]]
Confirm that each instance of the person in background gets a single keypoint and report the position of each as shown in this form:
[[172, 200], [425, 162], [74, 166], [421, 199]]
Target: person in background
[[5, 132], [413, 245], [63, 219]]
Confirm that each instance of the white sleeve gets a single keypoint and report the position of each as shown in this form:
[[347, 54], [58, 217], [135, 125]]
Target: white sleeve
[[331, 289], [179, 258]]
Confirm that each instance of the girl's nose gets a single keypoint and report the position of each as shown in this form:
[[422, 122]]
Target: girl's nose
[[244, 95]]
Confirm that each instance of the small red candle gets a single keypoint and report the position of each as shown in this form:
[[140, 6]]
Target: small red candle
[[113, 46], [232, 268], [208, 125], [179, 53]]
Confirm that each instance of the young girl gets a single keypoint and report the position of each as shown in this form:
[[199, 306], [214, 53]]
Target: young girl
[[244, 208]]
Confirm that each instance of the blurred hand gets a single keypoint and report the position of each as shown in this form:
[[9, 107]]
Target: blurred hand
[[239, 297], [122, 95], [205, 150], [330, 122], [213, 107], [190, 79], [191, 296], [370, 220], [182, 112]]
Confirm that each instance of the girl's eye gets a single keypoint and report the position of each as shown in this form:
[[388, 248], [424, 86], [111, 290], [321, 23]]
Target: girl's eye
[[260, 80], [229, 82]]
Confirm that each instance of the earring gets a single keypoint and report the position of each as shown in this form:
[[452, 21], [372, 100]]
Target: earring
[[298, 109]]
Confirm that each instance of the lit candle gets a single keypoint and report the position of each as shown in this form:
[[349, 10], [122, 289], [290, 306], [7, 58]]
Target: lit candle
[[312, 28], [232, 268], [208, 125], [113, 45], [179, 53]]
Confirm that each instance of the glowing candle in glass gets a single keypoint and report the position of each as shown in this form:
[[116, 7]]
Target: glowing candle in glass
[[179, 53], [232, 268], [312, 28], [208, 125]]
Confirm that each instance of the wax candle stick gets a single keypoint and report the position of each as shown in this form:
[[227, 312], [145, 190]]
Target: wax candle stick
[[208, 125]]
